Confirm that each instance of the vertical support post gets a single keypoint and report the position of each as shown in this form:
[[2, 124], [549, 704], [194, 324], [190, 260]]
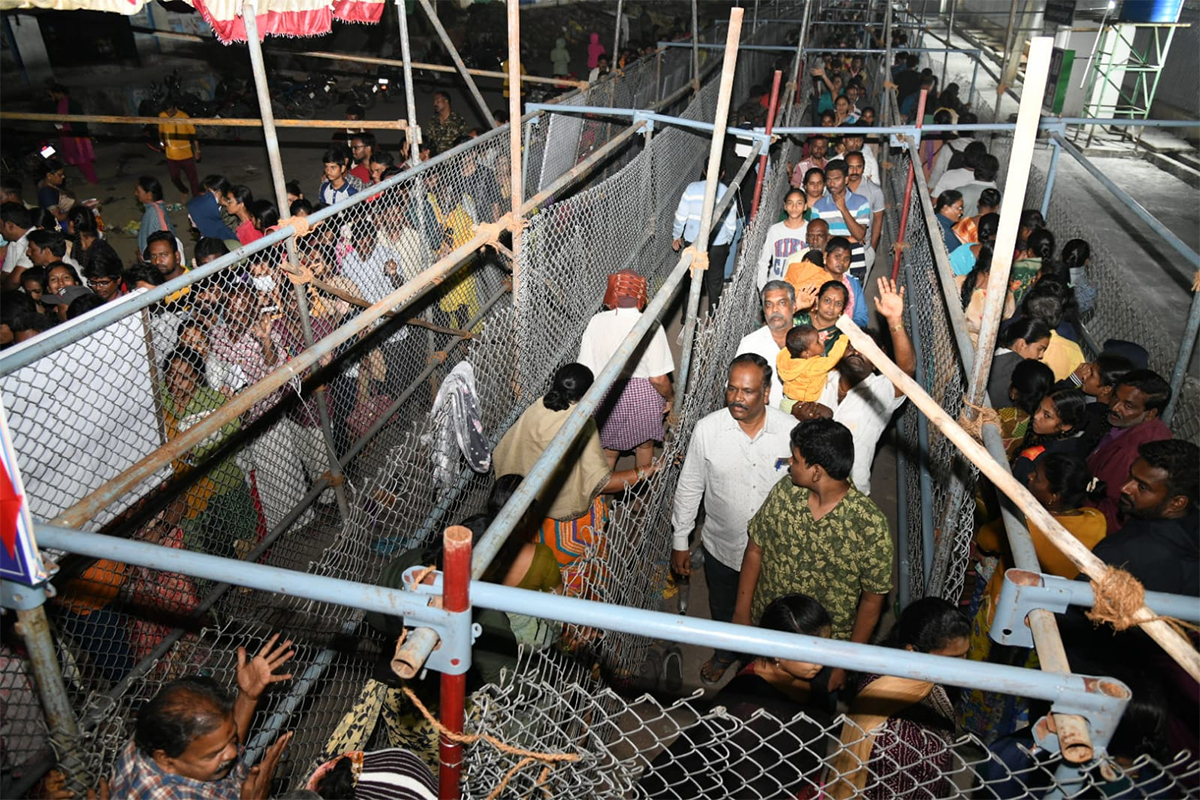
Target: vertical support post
[[695, 47], [799, 70], [908, 190], [413, 132], [755, 23], [712, 178], [946, 55], [1024, 139], [1054, 154], [974, 76], [1185, 353], [34, 629], [1010, 70], [617, 36], [887, 63], [762, 161], [456, 580], [514, 136], [278, 183], [462, 68], [658, 94]]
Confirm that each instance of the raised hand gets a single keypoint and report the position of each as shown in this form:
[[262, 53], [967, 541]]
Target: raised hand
[[806, 298], [890, 302], [255, 675]]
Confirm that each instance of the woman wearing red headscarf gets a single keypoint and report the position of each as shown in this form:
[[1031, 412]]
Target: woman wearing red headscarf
[[631, 416]]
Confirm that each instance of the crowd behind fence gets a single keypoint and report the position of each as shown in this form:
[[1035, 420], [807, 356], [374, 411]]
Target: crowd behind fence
[[125, 631]]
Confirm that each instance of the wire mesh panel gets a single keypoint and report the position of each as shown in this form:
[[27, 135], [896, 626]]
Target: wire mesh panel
[[738, 745]]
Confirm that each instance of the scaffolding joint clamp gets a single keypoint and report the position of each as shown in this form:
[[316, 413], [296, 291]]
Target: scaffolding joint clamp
[[1023, 592], [452, 656], [19, 597], [1100, 702], [645, 117]]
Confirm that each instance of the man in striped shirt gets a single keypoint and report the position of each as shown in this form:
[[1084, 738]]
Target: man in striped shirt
[[847, 213]]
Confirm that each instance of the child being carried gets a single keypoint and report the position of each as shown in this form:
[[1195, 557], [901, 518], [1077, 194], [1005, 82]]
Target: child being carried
[[803, 365]]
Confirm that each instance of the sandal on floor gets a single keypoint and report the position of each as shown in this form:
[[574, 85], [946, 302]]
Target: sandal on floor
[[713, 670]]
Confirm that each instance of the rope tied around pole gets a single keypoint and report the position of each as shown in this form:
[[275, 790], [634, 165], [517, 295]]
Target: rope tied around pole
[[974, 424], [1119, 596], [699, 260], [300, 224], [1196, 281], [528, 757], [493, 230]]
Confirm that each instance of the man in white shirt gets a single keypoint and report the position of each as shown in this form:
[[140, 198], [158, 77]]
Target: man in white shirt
[[985, 178], [370, 265], [860, 398], [779, 306], [734, 458], [16, 222], [961, 176]]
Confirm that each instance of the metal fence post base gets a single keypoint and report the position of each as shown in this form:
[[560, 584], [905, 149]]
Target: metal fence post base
[[34, 630]]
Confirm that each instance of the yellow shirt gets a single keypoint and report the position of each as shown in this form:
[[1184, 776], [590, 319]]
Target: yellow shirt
[[1062, 356], [804, 378], [177, 136]]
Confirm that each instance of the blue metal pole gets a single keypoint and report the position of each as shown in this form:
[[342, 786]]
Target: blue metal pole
[[653, 624], [925, 480], [1050, 176], [904, 584], [286, 582], [1185, 356]]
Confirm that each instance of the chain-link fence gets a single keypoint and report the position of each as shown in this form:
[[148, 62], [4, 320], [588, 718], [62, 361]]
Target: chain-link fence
[[87, 412], [123, 632]]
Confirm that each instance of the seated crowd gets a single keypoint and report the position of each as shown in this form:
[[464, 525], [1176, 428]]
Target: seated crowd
[[774, 493]]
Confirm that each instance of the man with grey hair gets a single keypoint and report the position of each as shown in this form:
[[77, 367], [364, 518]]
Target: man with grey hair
[[779, 304]]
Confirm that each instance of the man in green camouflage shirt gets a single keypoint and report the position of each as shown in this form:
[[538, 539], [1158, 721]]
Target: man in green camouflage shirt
[[445, 126], [818, 535]]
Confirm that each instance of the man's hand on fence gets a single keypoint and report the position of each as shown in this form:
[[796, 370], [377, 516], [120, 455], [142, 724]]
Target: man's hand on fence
[[254, 675], [257, 785]]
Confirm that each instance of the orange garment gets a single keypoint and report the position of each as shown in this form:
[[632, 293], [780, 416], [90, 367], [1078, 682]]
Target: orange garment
[[804, 378], [95, 588], [967, 230], [804, 275]]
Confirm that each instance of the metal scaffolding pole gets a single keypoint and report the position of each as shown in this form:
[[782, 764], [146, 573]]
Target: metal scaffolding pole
[[712, 179], [34, 629], [458, 62], [278, 182], [617, 35], [413, 134], [695, 48], [517, 188]]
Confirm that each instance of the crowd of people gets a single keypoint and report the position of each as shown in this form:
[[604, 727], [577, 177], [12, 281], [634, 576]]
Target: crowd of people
[[774, 495]]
